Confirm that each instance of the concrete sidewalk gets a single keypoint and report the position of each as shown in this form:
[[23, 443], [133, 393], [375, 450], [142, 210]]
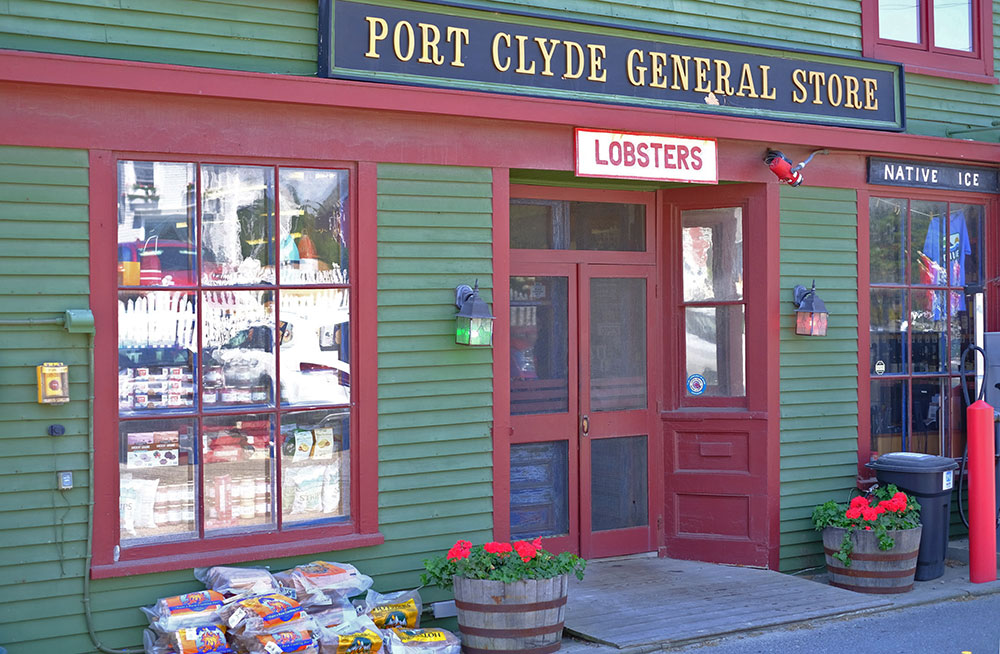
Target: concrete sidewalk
[[646, 604]]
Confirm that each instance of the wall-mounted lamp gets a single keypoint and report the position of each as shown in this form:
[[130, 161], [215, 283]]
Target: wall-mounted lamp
[[810, 312], [473, 322]]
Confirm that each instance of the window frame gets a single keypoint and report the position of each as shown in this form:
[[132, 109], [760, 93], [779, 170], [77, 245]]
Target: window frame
[[924, 58], [989, 262], [361, 529]]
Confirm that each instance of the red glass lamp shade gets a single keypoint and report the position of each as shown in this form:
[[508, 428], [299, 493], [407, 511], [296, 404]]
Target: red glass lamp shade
[[810, 313]]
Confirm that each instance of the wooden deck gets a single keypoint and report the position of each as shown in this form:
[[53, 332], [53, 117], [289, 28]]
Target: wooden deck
[[645, 603]]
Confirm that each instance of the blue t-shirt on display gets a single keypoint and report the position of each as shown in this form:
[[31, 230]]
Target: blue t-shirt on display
[[958, 248]]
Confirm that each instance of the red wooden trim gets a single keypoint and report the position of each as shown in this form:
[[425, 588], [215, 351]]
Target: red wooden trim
[[864, 336], [769, 201], [366, 284], [103, 302], [253, 94], [501, 350], [255, 552]]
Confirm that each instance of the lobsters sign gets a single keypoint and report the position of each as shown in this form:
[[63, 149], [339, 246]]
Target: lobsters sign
[[646, 156]]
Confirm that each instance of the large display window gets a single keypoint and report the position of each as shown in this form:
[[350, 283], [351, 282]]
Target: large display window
[[925, 287], [236, 412]]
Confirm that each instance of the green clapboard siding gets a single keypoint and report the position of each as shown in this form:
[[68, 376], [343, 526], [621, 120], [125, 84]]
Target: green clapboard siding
[[435, 401], [254, 35], [43, 272], [819, 376]]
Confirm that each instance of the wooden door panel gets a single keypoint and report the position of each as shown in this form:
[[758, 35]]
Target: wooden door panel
[[714, 507]]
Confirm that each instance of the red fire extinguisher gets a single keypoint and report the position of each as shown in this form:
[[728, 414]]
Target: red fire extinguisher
[[982, 483]]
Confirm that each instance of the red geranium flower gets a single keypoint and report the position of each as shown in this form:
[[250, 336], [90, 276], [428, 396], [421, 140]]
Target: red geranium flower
[[859, 501], [869, 513], [498, 548], [526, 551]]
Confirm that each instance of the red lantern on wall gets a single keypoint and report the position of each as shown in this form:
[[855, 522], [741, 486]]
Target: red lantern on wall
[[810, 313]]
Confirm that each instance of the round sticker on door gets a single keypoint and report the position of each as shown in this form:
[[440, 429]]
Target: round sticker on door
[[880, 367], [696, 384]]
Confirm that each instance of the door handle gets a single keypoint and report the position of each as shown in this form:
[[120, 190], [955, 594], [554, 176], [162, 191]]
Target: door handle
[[585, 425]]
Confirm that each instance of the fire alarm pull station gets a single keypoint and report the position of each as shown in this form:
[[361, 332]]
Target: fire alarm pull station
[[53, 383]]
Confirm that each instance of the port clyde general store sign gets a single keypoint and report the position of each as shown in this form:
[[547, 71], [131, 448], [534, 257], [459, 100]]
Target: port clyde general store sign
[[437, 44]]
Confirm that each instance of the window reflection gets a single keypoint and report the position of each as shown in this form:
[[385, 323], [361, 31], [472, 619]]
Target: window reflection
[[315, 347], [238, 337], [315, 466], [314, 233], [238, 471], [237, 215]]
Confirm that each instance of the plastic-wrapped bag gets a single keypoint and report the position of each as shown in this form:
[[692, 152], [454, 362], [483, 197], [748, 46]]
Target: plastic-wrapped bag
[[237, 581], [400, 609], [357, 636], [338, 611], [283, 642], [422, 641], [190, 640], [268, 613], [342, 578], [200, 640], [198, 609]]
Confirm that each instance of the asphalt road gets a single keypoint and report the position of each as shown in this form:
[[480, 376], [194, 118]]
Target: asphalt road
[[952, 627]]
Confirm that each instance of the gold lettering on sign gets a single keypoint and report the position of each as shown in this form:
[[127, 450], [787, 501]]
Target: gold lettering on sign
[[597, 55], [521, 57], [658, 61], [871, 86], [378, 29], [851, 98], [701, 68], [681, 72], [403, 26], [430, 36], [573, 50], [461, 34], [547, 54], [798, 79], [765, 93], [746, 83], [502, 67], [722, 72], [633, 69]]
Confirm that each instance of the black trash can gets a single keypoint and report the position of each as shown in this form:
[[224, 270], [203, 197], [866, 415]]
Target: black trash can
[[930, 480]]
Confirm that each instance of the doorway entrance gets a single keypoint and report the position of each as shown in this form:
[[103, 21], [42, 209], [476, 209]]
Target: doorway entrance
[[583, 391]]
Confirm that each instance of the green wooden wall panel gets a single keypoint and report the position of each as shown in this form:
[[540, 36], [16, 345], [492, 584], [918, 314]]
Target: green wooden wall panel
[[43, 201], [243, 35], [819, 397]]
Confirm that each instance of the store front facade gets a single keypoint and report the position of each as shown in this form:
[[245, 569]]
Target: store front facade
[[271, 263]]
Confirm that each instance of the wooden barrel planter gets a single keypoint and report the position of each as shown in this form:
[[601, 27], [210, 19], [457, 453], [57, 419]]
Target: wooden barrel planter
[[873, 570], [524, 617]]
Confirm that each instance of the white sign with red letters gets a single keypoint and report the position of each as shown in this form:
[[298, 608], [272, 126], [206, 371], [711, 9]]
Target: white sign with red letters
[[628, 155]]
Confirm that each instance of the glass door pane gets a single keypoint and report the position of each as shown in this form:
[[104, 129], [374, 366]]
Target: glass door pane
[[617, 344], [539, 361], [618, 483]]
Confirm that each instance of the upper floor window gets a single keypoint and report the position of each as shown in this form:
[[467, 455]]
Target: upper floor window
[[950, 38]]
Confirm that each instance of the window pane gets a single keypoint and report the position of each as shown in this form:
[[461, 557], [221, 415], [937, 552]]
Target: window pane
[[157, 481], [238, 472], [238, 337], [928, 243], [887, 239], [539, 489], [953, 24], [617, 344], [314, 234], [888, 406], [955, 434], [930, 342], [539, 358], [961, 332], [157, 341], [715, 349], [618, 477], [237, 213], [315, 467], [156, 224], [928, 415], [538, 224], [888, 331], [899, 20], [607, 226], [315, 346], [965, 245], [713, 254]]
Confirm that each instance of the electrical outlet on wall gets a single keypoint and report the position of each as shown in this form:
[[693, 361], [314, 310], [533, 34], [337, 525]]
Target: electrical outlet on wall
[[65, 480]]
